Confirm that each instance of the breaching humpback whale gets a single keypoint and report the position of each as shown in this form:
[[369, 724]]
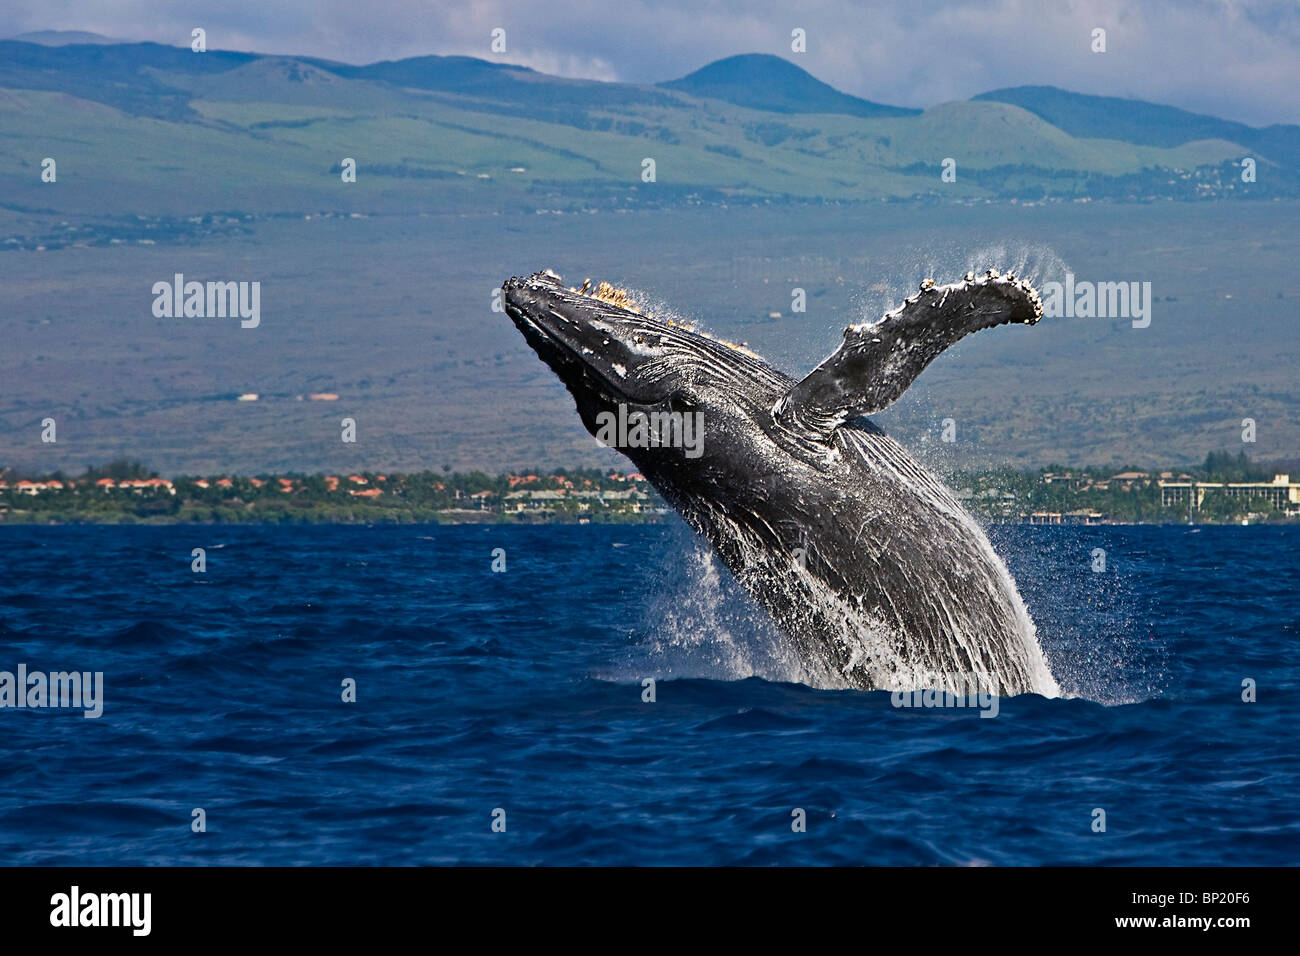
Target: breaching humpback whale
[[863, 558]]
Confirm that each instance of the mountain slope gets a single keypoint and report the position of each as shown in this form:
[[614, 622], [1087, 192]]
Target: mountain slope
[[118, 75], [1146, 124], [150, 130]]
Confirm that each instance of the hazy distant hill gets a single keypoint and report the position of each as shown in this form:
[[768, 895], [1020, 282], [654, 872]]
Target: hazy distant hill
[[764, 82], [1133, 121], [63, 37], [507, 86]]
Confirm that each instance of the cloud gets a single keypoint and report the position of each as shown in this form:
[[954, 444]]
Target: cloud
[[1234, 58]]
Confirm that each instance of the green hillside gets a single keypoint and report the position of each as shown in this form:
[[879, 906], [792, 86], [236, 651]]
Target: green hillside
[[157, 131]]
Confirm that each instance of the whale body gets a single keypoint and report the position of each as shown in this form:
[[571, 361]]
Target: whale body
[[865, 560]]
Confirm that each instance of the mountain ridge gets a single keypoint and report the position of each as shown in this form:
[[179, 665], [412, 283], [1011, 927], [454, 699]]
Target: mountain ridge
[[730, 79], [265, 133]]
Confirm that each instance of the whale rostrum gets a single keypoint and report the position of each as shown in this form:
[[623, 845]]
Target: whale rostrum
[[877, 575]]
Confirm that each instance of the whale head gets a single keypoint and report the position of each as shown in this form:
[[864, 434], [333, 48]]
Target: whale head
[[664, 395]]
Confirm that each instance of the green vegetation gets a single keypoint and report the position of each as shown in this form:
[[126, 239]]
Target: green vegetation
[[125, 492]]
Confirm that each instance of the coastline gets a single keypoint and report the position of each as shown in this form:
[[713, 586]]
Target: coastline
[[1227, 490]]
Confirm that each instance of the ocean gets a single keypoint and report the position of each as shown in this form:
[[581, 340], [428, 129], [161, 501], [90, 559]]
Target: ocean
[[501, 717]]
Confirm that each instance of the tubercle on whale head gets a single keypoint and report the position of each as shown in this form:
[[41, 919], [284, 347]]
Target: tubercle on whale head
[[600, 327], [610, 294], [552, 281]]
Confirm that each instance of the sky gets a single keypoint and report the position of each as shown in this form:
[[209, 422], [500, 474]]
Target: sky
[[1239, 59]]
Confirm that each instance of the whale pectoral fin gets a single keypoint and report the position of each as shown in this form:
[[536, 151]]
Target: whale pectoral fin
[[877, 362]]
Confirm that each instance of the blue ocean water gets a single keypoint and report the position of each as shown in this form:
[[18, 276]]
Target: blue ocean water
[[522, 691]]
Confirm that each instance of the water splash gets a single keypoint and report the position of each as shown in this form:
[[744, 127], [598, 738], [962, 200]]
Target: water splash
[[701, 623], [1034, 263], [894, 281]]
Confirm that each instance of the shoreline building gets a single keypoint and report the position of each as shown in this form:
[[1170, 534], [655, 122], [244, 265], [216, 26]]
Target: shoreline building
[[1282, 494]]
